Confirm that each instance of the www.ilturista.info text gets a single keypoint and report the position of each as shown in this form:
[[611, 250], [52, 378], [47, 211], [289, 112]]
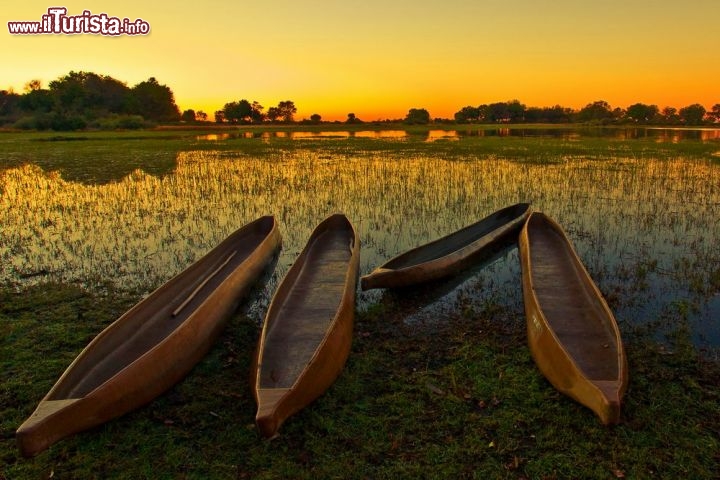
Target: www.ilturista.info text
[[58, 22]]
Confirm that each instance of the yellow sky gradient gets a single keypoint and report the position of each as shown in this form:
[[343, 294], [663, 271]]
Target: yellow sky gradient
[[378, 59]]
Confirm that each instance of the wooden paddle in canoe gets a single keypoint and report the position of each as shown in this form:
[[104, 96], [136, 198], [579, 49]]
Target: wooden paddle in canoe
[[572, 333], [307, 332], [447, 255], [155, 343]]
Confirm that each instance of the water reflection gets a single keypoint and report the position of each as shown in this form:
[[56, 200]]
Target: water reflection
[[646, 228], [214, 137], [676, 135], [385, 134], [659, 134], [304, 135], [435, 135]]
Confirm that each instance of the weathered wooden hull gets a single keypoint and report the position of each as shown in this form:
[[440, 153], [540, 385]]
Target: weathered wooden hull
[[447, 255], [307, 333], [573, 335], [154, 344]]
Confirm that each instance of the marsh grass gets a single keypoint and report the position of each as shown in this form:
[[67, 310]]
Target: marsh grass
[[427, 392], [643, 225], [460, 398]]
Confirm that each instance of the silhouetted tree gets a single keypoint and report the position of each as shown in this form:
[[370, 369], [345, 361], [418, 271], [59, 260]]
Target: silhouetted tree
[[219, 116], [498, 112], [692, 114], [287, 111], [669, 116], [641, 113], [188, 116], [8, 102], [89, 94], [154, 101], [484, 112], [9, 106], [33, 85], [315, 118], [516, 111], [238, 112], [714, 114], [256, 112], [468, 115], [596, 112], [36, 101], [535, 115], [556, 114], [417, 116], [351, 118], [201, 116], [273, 114], [503, 112], [106, 94], [69, 92]]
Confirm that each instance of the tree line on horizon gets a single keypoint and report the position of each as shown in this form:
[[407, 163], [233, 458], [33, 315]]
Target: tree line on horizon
[[81, 100], [598, 112]]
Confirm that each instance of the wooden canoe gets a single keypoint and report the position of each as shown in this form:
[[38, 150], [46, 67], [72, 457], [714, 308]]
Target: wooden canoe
[[154, 344], [307, 333], [449, 254], [573, 335]]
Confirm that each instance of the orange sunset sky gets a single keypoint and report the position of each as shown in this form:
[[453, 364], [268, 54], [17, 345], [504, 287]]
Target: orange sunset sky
[[378, 59]]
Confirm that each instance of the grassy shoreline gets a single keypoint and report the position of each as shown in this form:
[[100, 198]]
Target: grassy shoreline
[[460, 398], [75, 154]]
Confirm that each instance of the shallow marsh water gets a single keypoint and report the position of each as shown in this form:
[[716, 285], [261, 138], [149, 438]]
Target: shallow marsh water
[[646, 226]]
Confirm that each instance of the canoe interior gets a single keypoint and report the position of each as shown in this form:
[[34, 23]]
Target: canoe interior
[[569, 303], [457, 240], [301, 322], [157, 316]]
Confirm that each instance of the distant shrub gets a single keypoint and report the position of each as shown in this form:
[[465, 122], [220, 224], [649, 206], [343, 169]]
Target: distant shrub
[[132, 122], [65, 123], [25, 123], [125, 122], [40, 121], [8, 121]]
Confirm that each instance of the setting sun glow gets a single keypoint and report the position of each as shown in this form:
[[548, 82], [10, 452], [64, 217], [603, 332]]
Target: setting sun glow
[[378, 59]]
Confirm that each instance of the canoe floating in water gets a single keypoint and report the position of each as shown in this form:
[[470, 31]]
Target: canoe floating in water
[[307, 333], [572, 333], [447, 255], [154, 344]]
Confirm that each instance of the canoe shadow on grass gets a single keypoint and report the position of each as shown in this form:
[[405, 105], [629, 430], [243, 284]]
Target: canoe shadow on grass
[[413, 298], [255, 303]]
